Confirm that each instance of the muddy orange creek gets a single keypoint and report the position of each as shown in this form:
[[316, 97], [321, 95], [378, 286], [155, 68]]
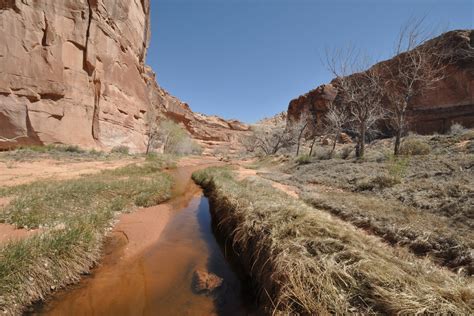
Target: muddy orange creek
[[160, 280]]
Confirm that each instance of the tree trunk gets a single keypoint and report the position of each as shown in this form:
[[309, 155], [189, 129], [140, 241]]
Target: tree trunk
[[399, 132], [334, 143], [300, 135], [312, 146], [362, 141], [398, 137], [148, 145]]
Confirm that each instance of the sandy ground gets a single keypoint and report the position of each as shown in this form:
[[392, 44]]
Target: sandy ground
[[10, 233], [25, 172], [243, 173]]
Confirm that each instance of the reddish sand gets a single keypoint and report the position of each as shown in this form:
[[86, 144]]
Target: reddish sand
[[10, 233], [25, 172], [243, 173]]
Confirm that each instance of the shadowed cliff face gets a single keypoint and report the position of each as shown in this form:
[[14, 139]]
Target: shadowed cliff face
[[73, 72], [451, 100]]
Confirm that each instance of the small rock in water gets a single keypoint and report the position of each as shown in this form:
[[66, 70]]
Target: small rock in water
[[205, 282]]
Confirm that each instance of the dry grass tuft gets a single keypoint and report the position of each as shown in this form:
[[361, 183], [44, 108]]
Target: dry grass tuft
[[306, 262]]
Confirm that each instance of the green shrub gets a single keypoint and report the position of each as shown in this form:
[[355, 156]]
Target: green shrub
[[413, 147], [397, 166], [124, 150], [303, 159], [71, 149]]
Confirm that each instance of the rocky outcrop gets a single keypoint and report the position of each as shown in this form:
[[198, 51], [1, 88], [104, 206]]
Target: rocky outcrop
[[275, 120], [74, 72], [71, 72], [211, 131], [450, 101]]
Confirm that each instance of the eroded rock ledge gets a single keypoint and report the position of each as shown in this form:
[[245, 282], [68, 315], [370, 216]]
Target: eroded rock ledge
[[450, 101]]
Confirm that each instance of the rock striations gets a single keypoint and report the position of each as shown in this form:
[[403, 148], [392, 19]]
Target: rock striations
[[74, 72], [451, 100]]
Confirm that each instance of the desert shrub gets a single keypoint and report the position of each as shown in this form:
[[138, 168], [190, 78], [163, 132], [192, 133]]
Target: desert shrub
[[456, 129], [94, 152], [303, 159], [378, 182], [187, 146], [365, 185], [397, 166], [413, 146], [124, 150], [346, 152], [385, 181], [175, 140], [322, 154], [72, 149], [470, 147]]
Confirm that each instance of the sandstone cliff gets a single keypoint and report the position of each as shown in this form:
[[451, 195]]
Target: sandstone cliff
[[211, 132], [74, 72], [451, 100]]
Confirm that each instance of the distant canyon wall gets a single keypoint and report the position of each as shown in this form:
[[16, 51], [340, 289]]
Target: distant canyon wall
[[73, 72], [450, 101]]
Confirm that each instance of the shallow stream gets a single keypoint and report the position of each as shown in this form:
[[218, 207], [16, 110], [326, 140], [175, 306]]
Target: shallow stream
[[160, 280]]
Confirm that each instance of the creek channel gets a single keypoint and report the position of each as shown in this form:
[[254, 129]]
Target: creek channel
[[161, 279]]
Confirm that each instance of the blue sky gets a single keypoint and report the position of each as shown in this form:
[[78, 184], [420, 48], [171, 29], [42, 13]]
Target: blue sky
[[246, 59]]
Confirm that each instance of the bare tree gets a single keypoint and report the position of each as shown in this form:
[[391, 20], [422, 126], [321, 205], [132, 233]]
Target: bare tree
[[270, 139], [152, 130], [359, 91], [314, 130], [8, 140], [299, 129], [334, 121], [417, 67]]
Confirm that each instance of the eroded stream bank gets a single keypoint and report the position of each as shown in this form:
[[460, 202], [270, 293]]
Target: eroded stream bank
[[159, 279]]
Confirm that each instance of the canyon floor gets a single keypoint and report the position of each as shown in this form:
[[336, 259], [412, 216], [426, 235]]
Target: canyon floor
[[77, 224]]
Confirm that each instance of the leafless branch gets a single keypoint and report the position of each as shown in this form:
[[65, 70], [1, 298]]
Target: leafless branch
[[9, 140]]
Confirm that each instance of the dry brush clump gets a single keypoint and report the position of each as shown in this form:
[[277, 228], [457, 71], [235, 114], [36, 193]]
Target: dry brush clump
[[423, 233], [304, 261], [422, 202], [74, 216]]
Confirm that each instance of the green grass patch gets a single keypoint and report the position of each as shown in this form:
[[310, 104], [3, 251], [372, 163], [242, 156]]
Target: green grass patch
[[75, 215]]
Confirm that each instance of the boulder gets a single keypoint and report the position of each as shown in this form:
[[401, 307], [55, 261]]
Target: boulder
[[205, 282], [344, 138]]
